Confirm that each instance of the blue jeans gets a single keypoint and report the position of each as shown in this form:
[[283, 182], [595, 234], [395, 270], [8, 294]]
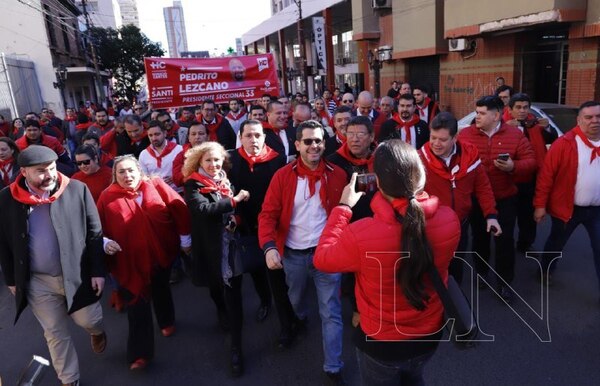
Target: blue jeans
[[374, 372], [298, 266], [589, 217]]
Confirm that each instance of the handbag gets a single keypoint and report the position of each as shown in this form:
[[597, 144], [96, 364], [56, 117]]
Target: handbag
[[458, 313]]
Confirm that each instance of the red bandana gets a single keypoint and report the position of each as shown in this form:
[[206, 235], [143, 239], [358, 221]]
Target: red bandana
[[425, 104], [586, 141], [83, 126], [313, 176], [6, 167], [265, 155], [166, 151], [127, 192], [466, 162], [406, 126], [24, 196], [268, 126], [223, 187], [136, 142], [236, 117], [344, 151], [212, 127]]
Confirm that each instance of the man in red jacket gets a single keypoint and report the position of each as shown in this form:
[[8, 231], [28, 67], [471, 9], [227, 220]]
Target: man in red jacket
[[506, 156], [454, 175], [539, 133], [294, 212], [568, 187]]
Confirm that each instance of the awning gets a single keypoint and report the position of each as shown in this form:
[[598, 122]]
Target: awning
[[76, 70], [285, 18]]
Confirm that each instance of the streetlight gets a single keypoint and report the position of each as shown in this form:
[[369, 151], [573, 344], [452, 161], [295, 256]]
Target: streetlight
[[61, 78]]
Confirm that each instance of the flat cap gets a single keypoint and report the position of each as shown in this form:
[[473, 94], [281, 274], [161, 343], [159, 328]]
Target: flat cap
[[36, 155]]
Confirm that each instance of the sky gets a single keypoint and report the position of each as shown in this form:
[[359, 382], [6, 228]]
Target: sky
[[210, 25]]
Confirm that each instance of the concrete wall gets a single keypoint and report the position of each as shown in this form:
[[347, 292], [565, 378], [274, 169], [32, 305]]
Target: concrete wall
[[365, 21], [24, 36], [415, 26], [462, 13]]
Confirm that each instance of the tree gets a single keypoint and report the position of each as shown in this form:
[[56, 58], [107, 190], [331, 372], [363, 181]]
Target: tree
[[122, 52]]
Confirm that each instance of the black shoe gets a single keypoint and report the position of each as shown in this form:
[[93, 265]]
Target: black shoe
[[286, 338], [223, 320], [506, 294], [334, 379], [262, 312], [176, 275], [237, 362]]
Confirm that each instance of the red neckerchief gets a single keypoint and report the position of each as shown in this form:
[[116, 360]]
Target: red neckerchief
[[313, 176], [6, 167], [406, 126], [460, 165], [144, 134], [344, 152], [425, 105], [166, 151], [126, 192], [222, 186], [341, 138], [324, 114], [265, 155], [212, 127], [400, 204], [70, 118], [236, 117], [268, 126], [595, 149], [83, 126], [21, 194]]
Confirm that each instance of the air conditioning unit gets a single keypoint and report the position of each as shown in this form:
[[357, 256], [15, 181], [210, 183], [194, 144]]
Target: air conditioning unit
[[459, 44], [380, 4]]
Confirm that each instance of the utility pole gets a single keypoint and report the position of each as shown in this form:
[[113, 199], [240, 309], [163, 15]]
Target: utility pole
[[97, 78], [303, 74]]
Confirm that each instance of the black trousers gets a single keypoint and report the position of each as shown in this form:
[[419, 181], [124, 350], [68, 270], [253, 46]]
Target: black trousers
[[456, 267], [279, 288], [527, 225], [140, 342], [261, 285], [233, 303], [504, 244]]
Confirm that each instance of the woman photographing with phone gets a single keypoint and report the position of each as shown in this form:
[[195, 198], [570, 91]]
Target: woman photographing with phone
[[401, 313]]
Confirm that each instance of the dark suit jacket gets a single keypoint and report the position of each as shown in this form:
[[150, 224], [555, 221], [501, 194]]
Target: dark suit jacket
[[389, 130]]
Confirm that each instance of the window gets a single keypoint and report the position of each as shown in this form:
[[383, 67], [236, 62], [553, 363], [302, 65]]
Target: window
[[296, 50], [65, 35], [49, 26]]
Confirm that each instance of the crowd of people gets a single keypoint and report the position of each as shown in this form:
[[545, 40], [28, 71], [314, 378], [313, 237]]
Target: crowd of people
[[289, 192]]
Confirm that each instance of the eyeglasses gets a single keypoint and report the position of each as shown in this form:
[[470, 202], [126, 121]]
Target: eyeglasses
[[347, 101], [360, 135], [310, 141], [85, 162]]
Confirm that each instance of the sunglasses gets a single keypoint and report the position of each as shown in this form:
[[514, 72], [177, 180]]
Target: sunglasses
[[347, 101], [86, 162], [310, 141]]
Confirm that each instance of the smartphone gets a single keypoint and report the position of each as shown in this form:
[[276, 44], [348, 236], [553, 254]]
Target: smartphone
[[503, 156], [366, 183]]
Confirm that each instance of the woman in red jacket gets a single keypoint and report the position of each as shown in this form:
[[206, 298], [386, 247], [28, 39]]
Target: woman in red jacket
[[400, 311], [145, 222]]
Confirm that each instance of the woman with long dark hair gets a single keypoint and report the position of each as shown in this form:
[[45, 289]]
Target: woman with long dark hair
[[391, 254], [9, 152]]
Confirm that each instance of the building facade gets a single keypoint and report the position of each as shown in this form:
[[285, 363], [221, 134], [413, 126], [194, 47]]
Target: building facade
[[129, 12], [549, 49]]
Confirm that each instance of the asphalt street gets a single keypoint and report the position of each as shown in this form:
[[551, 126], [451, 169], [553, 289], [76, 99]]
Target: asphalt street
[[525, 347]]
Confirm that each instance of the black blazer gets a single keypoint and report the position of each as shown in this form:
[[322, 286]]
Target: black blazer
[[389, 130]]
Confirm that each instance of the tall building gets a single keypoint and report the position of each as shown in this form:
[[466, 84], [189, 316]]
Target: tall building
[[103, 13], [175, 26], [129, 12]]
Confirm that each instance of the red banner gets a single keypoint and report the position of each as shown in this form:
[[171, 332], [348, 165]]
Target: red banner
[[188, 82]]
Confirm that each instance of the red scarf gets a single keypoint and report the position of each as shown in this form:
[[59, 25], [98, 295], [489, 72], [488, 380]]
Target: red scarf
[[406, 126], [268, 126], [83, 126], [222, 186], [125, 192], [144, 134], [313, 176], [401, 204], [212, 127], [595, 149], [24, 196], [324, 114], [236, 117], [166, 151], [6, 167], [424, 106], [464, 163], [344, 152], [265, 155]]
